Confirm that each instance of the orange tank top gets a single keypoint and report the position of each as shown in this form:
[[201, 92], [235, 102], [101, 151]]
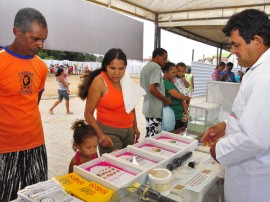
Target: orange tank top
[[111, 109]]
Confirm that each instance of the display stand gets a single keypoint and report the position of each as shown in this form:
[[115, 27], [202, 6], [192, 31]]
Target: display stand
[[117, 170]]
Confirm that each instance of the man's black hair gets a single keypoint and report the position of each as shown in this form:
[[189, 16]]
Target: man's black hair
[[249, 23], [158, 51]]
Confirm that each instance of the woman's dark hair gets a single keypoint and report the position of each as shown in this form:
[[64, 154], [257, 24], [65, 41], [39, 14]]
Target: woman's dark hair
[[249, 23], [221, 64], [59, 71], [167, 67], [81, 131], [114, 53]]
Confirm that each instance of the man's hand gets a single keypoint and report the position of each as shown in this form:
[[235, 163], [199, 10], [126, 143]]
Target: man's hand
[[213, 134], [213, 151]]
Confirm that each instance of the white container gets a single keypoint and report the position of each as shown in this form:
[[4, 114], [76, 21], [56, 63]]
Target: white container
[[161, 181]]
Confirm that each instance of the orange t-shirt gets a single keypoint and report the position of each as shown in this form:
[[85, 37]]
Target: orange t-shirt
[[111, 109], [21, 79]]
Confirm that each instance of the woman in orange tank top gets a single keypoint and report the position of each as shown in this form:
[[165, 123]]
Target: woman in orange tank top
[[102, 90]]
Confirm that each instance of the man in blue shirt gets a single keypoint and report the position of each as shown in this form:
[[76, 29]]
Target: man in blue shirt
[[227, 75]]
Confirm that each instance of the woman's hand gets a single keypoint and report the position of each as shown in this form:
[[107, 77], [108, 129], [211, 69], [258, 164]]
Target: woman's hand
[[137, 133], [105, 141]]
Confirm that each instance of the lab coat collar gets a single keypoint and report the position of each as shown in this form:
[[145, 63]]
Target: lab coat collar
[[263, 57]]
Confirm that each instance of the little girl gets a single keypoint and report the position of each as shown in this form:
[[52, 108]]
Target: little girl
[[85, 143], [182, 84]]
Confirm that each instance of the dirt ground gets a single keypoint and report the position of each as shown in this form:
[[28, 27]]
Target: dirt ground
[[51, 86]]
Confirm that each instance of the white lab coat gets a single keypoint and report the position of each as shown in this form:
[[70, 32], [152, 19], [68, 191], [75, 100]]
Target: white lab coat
[[245, 151]]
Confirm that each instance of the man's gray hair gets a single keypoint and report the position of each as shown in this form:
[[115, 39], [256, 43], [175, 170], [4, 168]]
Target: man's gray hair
[[26, 16]]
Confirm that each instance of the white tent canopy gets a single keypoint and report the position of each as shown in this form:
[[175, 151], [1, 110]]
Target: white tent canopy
[[76, 25], [200, 20]]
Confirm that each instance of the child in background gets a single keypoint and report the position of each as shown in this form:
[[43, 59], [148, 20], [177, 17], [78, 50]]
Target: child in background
[[182, 84], [65, 79], [85, 143], [190, 80], [63, 90]]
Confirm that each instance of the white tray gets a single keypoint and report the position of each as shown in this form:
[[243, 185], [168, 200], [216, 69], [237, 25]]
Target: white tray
[[143, 160], [176, 140], [111, 173]]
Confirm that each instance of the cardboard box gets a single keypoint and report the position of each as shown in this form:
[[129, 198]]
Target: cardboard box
[[82, 189]]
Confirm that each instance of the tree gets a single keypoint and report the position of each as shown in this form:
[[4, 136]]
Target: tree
[[67, 55]]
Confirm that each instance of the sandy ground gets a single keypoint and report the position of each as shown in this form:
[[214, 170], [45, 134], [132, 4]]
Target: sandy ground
[[58, 135]]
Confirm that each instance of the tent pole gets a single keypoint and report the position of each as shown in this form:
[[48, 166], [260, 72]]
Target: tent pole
[[220, 53], [157, 33], [217, 56]]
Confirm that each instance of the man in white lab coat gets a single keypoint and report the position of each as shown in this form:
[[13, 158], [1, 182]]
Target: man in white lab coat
[[243, 143]]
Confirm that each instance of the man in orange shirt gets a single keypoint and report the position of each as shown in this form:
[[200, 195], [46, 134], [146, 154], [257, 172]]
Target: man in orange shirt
[[23, 158]]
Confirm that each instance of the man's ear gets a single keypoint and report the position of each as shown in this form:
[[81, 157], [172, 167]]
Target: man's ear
[[17, 32], [258, 41]]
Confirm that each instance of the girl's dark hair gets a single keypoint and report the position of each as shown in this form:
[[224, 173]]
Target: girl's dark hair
[[81, 131], [114, 53], [181, 64], [59, 71], [221, 64], [167, 67]]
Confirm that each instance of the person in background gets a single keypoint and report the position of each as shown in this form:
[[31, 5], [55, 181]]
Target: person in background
[[86, 71], [238, 77], [151, 81], [190, 78], [227, 74], [217, 73], [244, 143], [85, 142], [116, 129], [52, 71], [63, 91], [172, 92], [23, 156], [182, 85], [74, 69]]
